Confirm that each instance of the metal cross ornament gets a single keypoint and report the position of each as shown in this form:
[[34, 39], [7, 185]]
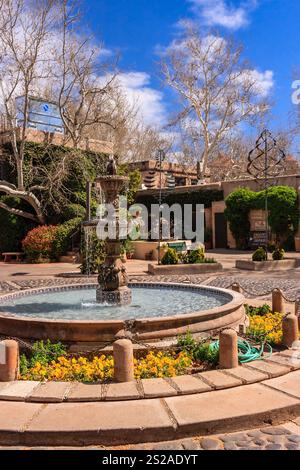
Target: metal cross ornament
[[266, 162]]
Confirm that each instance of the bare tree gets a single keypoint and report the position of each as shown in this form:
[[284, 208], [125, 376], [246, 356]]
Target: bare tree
[[25, 28], [44, 53], [86, 85], [217, 90]]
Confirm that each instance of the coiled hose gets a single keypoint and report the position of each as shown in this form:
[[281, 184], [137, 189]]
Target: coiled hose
[[247, 352]]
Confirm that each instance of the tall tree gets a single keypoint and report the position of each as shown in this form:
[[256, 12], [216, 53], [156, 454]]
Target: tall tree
[[44, 53], [86, 85], [217, 90], [25, 29]]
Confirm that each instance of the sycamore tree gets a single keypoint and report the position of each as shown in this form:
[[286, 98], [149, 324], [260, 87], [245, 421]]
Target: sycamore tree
[[45, 53], [218, 91]]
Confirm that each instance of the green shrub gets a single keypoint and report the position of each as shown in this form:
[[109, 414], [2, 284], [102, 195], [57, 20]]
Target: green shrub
[[73, 211], [258, 311], [187, 342], [196, 256], [199, 351], [63, 241], [170, 257], [38, 243], [127, 246], [205, 353], [13, 228], [238, 206], [260, 255], [42, 352], [278, 254]]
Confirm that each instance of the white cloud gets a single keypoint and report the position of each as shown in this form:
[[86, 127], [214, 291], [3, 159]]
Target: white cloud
[[223, 12], [137, 86], [264, 81]]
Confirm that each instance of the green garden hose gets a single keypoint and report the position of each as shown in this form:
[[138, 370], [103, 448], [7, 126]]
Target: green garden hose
[[247, 352]]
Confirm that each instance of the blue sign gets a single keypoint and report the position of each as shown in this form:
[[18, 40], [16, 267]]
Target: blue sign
[[42, 115]]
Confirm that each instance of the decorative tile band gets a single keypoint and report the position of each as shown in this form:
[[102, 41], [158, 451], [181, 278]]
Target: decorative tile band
[[142, 285]]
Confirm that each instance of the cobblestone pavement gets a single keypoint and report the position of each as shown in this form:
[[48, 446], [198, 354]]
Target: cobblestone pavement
[[255, 287], [272, 438], [286, 438], [11, 286]]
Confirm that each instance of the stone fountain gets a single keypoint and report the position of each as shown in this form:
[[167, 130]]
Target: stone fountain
[[113, 280]]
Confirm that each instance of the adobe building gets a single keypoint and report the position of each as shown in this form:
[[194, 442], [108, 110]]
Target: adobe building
[[214, 212], [171, 174]]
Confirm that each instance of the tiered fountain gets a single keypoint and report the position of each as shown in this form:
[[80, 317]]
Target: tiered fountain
[[159, 311], [113, 280]]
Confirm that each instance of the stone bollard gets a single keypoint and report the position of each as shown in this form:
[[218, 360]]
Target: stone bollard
[[228, 349], [9, 361], [290, 329], [297, 311], [278, 301], [237, 288], [123, 361]]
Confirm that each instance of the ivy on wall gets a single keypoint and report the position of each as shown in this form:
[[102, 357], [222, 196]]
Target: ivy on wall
[[202, 196], [283, 203]]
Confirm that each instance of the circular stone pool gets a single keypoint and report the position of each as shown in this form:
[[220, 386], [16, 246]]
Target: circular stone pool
[[146, 302], [72, 314]]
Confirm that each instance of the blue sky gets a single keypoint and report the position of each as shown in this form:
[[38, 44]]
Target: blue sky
[[269, 30]]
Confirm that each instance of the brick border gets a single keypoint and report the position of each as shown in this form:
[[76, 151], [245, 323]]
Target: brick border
[[278, 365]]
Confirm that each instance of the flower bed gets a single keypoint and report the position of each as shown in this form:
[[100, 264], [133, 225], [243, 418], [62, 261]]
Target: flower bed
[[52, 362], [264, 324], [260, 325], [54, 367]]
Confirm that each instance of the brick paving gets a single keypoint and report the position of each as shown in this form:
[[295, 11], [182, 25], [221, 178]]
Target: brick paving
[[285, 437]]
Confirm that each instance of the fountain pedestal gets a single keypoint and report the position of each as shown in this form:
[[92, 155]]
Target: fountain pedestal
[[113, 280]]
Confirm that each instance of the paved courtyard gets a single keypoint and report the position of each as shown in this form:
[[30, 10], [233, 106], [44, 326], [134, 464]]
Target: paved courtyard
[[14, 277], [22, 276]]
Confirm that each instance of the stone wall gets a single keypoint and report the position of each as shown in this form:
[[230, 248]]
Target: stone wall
[[47, 138]]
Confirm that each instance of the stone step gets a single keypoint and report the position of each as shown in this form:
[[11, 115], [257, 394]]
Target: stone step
[[55, 392], [138, 421]]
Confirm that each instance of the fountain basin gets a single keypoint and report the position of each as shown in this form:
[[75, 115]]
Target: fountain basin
[[202, 309]]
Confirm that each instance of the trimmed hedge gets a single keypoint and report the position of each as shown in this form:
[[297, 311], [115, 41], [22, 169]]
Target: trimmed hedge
[[283, 206], [63, 237]]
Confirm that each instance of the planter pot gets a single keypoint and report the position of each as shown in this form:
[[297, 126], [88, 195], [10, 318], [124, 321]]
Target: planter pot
[[267, 265], [185, 268]]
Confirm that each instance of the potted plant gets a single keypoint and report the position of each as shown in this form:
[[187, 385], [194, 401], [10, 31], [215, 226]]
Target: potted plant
[[163, 250], [127, 250]]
